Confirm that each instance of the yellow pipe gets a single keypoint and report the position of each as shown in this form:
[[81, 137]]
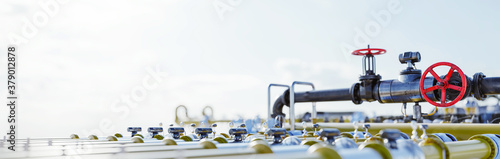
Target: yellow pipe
[[460, 131], [478, 146], [433, 112], [468, 149]]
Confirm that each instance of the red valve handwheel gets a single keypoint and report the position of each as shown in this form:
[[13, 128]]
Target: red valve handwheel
[[443, 84], [369, 51]]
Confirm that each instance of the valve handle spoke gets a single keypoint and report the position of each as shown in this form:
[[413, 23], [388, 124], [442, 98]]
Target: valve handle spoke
[[435, 75], [455, 87], [443, 96], [431, 88], [448, 76]]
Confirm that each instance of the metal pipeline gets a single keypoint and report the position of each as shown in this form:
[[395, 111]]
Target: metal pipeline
[[310, 96], [153, 151], [395, 91], [363, 153], [490, 85], [452, 87], [478, 146], [404, 89], [390, 91], [460, 131], [323, 95]]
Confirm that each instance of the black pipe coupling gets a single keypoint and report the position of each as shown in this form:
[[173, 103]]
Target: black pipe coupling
[[476, 86], [355, 94]]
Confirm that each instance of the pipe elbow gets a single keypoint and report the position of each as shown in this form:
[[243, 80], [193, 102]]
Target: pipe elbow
[[280, 103]]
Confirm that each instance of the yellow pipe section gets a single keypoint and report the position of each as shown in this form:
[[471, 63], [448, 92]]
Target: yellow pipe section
[[469, 149], [432, 151], [477, 147], [460, 131]]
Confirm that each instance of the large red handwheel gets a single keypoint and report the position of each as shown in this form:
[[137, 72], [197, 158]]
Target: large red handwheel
[[443, 84], [369, 51]]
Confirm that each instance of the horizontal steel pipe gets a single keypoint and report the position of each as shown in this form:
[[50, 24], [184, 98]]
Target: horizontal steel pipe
[[323, 95], [460, 131], [490, 85], [395, 91], [388, 91], [310, 96]]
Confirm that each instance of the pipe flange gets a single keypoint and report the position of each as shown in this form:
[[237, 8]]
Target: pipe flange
[[444, 137], [445, 152], [478, 77], [354, 91], [493, 140]]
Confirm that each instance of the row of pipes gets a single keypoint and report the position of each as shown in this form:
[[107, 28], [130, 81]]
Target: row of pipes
[[343, 141]]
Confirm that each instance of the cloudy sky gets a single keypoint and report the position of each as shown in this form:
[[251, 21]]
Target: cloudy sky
[[81, 62]]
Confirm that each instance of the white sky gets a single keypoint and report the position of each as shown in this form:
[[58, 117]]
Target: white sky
[[90, 53]]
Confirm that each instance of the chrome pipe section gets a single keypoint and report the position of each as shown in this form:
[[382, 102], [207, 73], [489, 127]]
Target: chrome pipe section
[[396, 91]]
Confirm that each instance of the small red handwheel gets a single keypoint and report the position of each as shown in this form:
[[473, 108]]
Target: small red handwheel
[[443, 84], [369, 51]]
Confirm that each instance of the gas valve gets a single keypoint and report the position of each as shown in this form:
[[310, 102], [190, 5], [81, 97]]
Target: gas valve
[[203, 132], [277, 133], [412, 86], [155, 130], [369, 79], [176, 132], [238, 133], [134, 130], [329, 134]]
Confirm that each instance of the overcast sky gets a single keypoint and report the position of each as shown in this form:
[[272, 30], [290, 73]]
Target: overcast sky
[[78, 59]]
